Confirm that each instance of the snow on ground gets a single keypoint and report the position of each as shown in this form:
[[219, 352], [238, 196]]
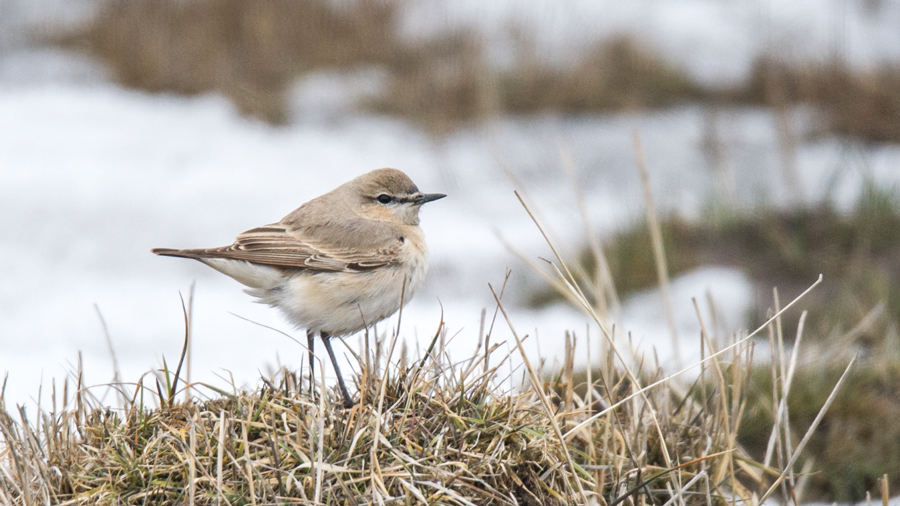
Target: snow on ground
[[35, 66], [92, 177]]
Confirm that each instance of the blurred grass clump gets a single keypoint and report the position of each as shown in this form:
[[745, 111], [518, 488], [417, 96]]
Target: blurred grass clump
[[249, 51], [856, 103], [252, 52], [857, 251]]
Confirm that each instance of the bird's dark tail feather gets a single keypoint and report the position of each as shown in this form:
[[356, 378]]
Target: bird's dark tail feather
[[182, 253]]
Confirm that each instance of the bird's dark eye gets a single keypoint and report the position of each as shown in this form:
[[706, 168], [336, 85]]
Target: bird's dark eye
[[384, 199]]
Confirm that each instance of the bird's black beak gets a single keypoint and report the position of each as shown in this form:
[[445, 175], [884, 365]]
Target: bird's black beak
[[428, 197]]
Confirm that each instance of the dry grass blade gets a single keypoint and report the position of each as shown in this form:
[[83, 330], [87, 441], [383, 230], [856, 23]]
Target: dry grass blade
[[117, 379], [544, 400], [809, 433], [662, 270], [604, 287]]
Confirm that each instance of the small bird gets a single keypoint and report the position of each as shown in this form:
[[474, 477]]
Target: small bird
[[336, 264]]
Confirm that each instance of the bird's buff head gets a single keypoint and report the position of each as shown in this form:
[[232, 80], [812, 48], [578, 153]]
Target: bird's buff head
[[390, 195]]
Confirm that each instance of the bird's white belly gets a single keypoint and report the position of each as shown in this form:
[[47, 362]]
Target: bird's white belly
[[341, 303]]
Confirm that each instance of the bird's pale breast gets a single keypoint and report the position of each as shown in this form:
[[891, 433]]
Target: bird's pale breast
[[341, 303]]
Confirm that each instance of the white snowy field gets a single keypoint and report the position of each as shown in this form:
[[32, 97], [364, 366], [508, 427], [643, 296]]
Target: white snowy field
[[92, 176]]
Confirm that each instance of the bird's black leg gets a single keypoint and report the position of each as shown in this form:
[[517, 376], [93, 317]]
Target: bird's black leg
[[310, 343], [348, 401]]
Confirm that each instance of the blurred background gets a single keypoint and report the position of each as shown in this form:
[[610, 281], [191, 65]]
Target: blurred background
[[770, 132]]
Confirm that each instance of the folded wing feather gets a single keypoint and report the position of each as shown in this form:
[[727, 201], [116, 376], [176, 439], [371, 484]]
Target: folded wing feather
[[277, 246]]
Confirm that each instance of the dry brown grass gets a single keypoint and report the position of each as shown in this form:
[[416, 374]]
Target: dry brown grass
[[617, 74], [858, 104], [428, 431], [253, 51], [250, 51]]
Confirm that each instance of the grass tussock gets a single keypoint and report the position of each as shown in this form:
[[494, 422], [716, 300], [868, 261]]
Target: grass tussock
[[428, 431], [617, 74], [249, 51]]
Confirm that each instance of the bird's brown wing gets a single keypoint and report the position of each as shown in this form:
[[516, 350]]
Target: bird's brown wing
[[277, 246]]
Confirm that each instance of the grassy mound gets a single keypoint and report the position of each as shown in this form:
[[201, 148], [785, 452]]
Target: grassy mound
[[430, 431]]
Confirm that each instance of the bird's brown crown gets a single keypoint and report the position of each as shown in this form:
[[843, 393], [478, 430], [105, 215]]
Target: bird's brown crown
[[389, 181]]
